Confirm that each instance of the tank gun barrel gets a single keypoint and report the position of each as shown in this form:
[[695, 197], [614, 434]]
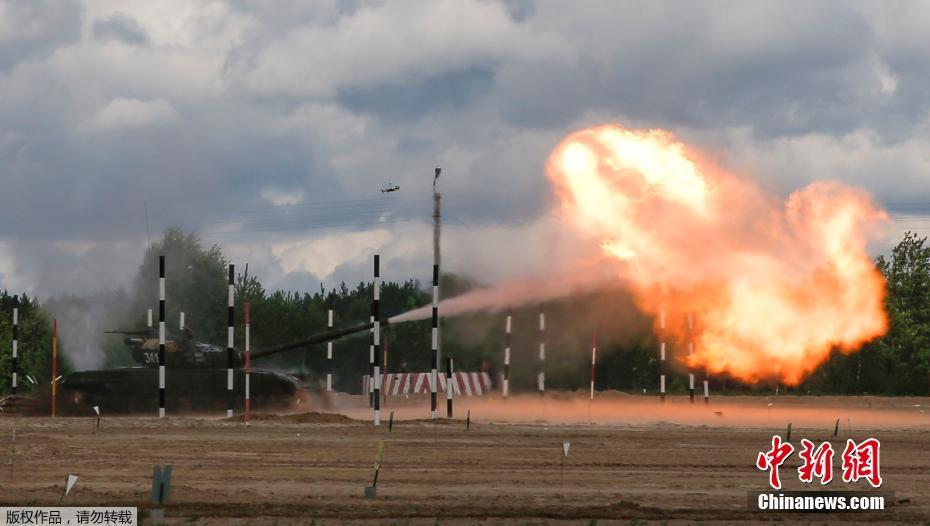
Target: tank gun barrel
[[318, 338], [135, 332]]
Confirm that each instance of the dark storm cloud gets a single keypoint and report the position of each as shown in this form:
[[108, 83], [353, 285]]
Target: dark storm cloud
[[211, 110], [781, 71], [120, 27], [402, 102]]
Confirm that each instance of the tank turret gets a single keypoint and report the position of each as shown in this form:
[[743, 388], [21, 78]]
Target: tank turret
[[182, 352]]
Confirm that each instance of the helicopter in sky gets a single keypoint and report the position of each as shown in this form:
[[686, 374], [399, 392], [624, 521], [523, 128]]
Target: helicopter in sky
[[391, 187]]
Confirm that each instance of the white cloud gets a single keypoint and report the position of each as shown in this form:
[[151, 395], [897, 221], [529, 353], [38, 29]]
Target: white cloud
[[132, 113], [323, 255], [395, 42], [279, 198]]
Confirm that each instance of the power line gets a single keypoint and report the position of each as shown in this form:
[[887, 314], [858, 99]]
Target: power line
[[305, 218], [375, 201], [298, 228]]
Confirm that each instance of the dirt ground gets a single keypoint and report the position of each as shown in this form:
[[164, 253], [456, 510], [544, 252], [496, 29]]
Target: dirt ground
[[632, 460]]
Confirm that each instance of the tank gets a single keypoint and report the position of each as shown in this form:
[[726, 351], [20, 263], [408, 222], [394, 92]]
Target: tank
[[195, 379]]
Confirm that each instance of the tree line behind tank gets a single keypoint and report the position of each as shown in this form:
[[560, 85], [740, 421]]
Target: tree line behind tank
[[34, 347], [897, 364]]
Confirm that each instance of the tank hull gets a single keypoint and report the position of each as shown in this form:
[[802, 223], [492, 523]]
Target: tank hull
[[135, 390]]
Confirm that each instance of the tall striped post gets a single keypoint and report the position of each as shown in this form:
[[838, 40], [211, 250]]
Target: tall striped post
[[593, 361], [506, 384], [371, 362], [248, 362], [54, 362], [161, 336], [449, 387], [434, 379], [15, 363], [230, 337], [376, 312], [706, 386], [690, 353], [662, 354], [541, 380], [329, 353]]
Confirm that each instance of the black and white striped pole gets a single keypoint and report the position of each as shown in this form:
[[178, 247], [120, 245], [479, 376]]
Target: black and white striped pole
[[690, 353], [593, 361], [371, 361], [376, 312], [433, 379], [15, 363], [248, 362], [161, 336], [541, 381], [329, 353], [506, 384], [662, 354], [449, 387], [230, 340], [706, 386]]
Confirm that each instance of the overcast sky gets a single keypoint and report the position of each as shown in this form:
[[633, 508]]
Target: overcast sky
[[285, 119]]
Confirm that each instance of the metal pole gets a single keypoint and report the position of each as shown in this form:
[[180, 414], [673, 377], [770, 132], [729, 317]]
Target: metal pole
[[437, 237], [662, 354], [690, 354], [376, 312], [384, 372], [593, 361], [542, 353], [449, 388], [230, 341], [435, 342], [248, 362], [329, 353], [371, 362], [15, 341], [161, 336], [506, 383]]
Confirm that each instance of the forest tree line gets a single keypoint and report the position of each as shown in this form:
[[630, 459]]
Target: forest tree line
[[895, 364]]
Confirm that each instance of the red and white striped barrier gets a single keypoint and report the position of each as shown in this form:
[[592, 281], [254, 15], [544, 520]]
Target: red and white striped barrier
[[463, 384]]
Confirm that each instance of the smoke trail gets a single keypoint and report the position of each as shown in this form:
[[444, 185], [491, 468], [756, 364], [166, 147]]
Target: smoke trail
[[516, 293]]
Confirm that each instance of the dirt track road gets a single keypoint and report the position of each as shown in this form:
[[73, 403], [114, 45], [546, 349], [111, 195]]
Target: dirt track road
[[299, 468]]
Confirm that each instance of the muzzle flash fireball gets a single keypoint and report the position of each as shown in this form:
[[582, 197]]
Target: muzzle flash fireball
[[778, 285]]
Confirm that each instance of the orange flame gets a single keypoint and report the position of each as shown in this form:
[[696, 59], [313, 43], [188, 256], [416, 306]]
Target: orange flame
[[774, 287]]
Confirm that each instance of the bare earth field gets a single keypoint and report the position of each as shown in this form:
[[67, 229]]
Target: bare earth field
[[632, 460]]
